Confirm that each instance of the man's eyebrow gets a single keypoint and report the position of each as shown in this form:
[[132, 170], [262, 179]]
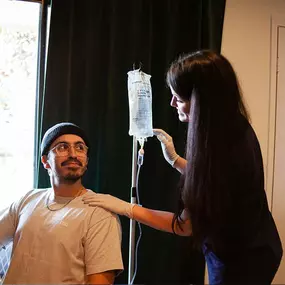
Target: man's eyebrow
[[61, 142], [78, 142]]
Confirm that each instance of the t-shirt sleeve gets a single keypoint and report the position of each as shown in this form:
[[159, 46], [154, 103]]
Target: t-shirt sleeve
[[103, 243], [9, 220], [8, 224]]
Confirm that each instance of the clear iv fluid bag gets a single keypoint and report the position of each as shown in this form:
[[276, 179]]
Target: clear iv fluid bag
[[140, 104]]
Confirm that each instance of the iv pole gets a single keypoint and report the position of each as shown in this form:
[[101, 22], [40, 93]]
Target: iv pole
[[133, 200], [133, 222]]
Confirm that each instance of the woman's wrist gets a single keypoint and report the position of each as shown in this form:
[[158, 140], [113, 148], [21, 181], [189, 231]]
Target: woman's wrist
[[180, 164]]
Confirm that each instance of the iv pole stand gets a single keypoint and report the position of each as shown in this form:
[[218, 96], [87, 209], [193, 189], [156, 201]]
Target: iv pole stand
[[133, 222]]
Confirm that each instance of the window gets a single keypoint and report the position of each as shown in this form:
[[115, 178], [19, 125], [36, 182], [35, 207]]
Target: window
[[19, 26]]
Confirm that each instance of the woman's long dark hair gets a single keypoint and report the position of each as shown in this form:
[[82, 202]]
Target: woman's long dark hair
[[208, 80]]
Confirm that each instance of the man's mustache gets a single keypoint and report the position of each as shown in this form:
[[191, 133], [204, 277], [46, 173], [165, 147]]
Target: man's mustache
[[71, 161]]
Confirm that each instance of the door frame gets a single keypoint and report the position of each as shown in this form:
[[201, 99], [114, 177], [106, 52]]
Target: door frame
[[277, 20]]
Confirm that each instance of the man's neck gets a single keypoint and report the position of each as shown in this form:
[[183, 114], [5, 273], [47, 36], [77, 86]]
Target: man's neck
[[68, 190]]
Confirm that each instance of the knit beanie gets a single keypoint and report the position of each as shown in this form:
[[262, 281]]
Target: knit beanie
[[58, 130]]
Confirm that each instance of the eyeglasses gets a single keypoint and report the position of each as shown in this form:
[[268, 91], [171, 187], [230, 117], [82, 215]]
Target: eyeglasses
[[64, 149]]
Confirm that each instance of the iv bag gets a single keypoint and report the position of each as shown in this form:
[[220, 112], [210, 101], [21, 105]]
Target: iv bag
[[140, 104]]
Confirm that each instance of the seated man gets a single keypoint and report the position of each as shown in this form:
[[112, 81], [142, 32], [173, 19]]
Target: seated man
[[56, 237]]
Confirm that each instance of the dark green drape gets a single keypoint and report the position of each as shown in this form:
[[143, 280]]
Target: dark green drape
[[92, 46]]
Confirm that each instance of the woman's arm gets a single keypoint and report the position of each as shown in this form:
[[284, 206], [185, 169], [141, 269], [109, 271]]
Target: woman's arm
[[162, 220]]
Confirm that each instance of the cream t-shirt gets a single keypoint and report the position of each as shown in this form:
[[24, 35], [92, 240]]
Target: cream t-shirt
[[62, 246]]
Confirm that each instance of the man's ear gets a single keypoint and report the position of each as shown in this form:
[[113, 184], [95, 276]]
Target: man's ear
[[45, 163]]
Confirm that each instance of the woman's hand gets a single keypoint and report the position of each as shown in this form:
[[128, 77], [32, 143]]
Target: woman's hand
[[109, 203], [169, 152], [167, 146]]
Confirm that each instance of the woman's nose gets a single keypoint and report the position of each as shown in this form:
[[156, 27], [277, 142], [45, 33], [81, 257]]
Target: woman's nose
[[173, 102]]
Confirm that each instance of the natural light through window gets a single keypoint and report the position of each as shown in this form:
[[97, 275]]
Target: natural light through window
[[19, 22]]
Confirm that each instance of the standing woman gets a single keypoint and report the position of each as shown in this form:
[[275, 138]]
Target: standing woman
[[223, 203]]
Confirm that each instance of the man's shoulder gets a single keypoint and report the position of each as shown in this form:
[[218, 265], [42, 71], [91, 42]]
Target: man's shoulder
[[92, 214], [29, 197], [98, 210], [99, 214], [104, 219], [33, 194], [36, 192], [40, 190]]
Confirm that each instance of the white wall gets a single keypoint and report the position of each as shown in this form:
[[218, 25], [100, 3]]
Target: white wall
[[250, 43], [246, 43]]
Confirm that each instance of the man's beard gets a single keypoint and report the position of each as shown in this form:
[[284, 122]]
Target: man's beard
[[70, 177]]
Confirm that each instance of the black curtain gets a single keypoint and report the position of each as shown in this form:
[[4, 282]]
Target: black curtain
[[92, 46]]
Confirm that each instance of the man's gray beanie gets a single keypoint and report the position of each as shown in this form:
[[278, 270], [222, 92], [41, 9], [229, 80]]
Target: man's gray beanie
[[58, 130]]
